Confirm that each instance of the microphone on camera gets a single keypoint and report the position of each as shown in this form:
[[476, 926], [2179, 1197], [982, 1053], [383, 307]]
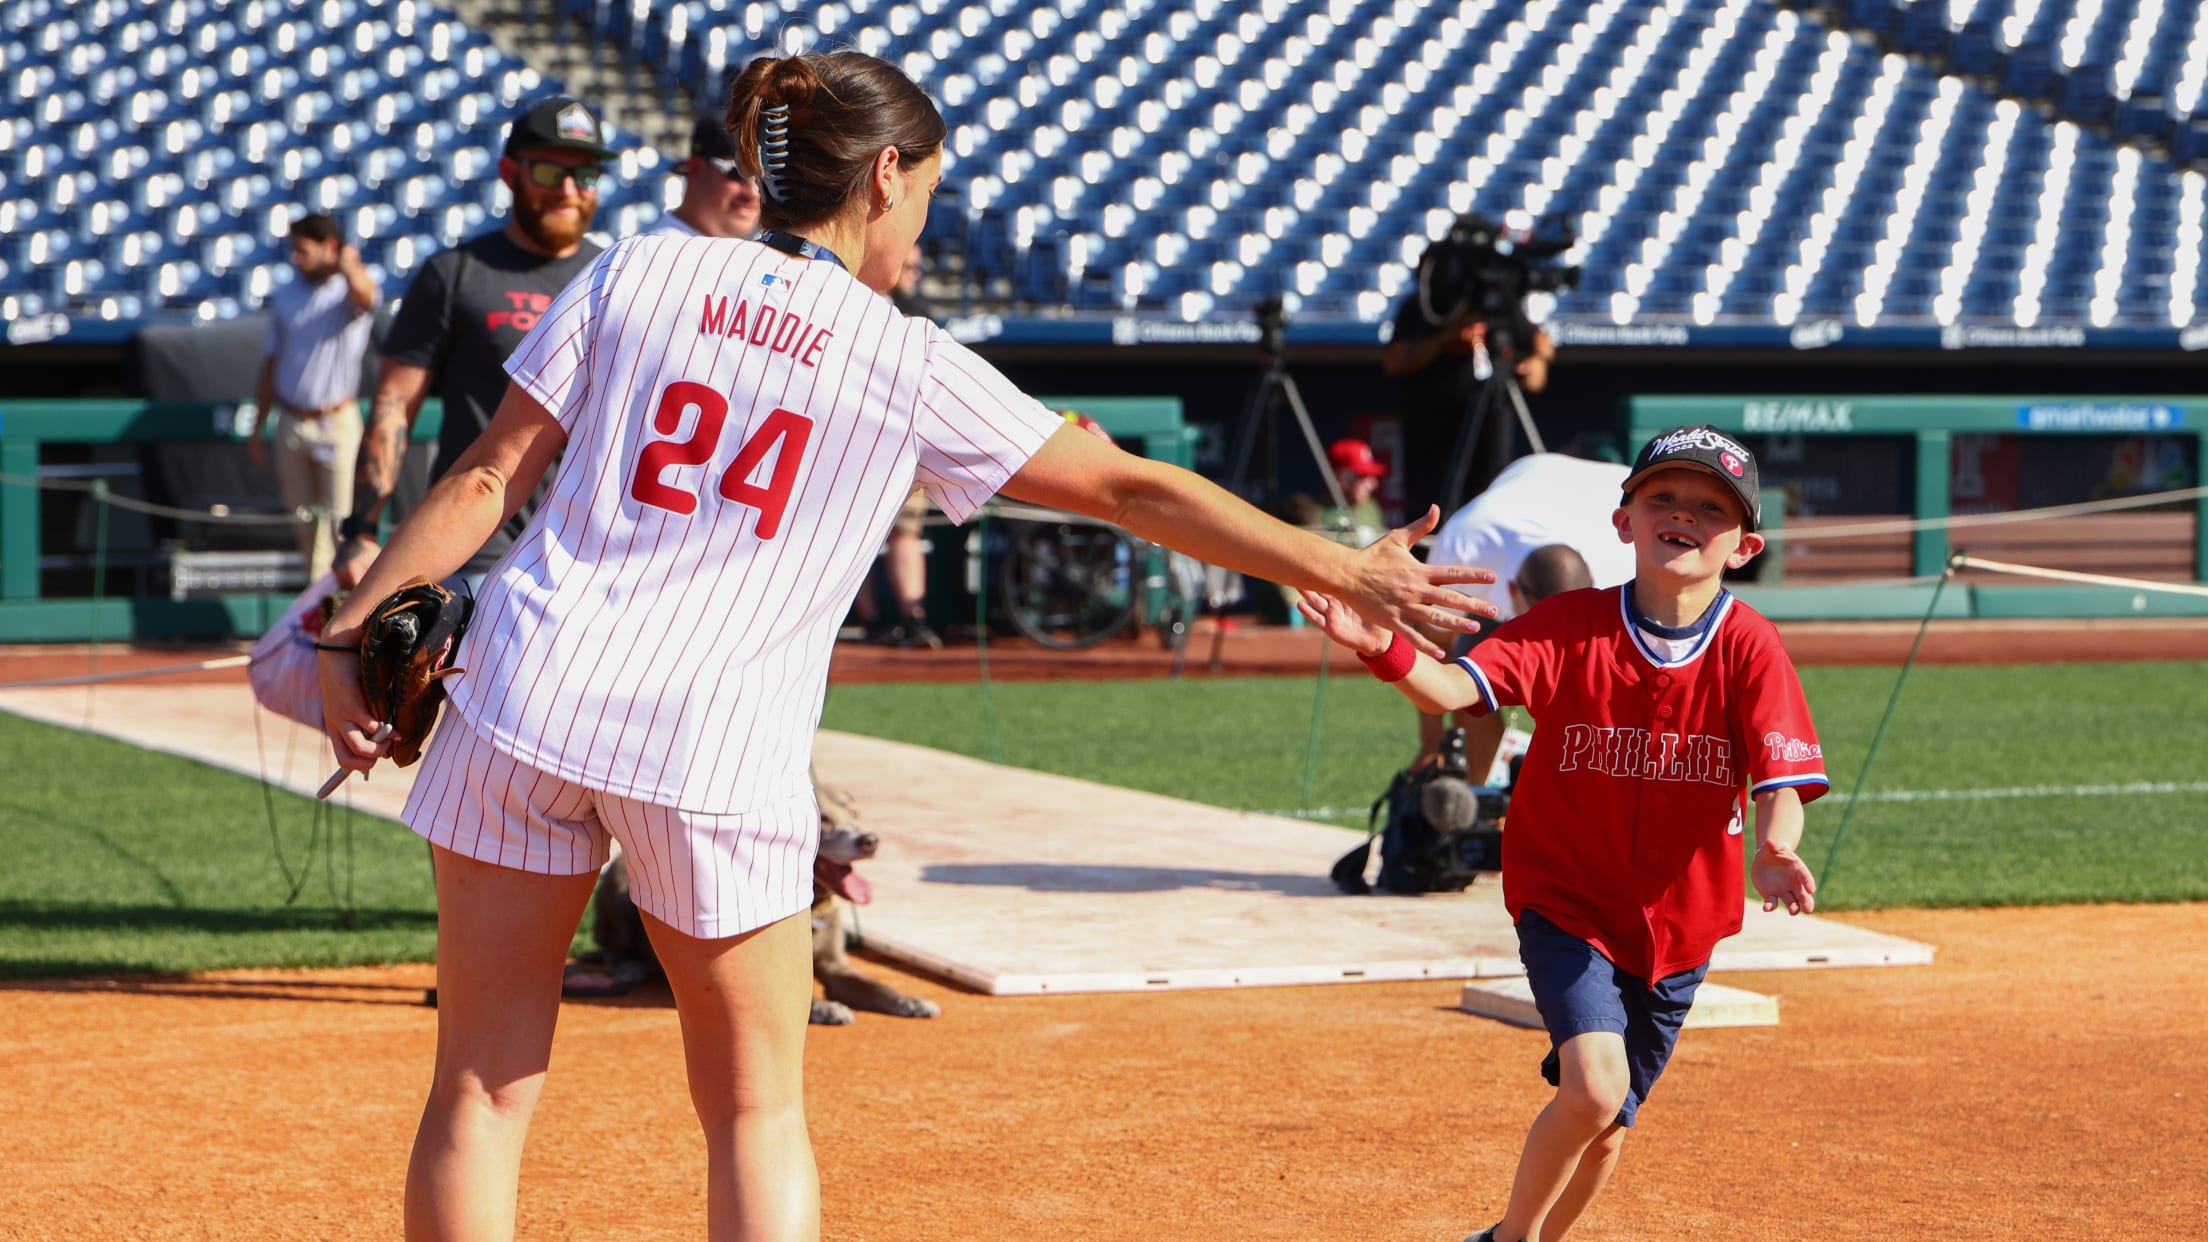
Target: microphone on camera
[[1449, 805]]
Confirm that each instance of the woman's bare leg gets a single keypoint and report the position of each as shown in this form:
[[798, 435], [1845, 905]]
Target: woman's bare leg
[[744, 1002], [502, 941]]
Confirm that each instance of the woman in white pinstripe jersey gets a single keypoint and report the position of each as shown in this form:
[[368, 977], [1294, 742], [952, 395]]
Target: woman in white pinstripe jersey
[[740, 422]]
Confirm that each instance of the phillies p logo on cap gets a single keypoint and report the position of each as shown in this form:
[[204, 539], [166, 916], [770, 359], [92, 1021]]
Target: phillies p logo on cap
[[1702, 447], [576, 122]]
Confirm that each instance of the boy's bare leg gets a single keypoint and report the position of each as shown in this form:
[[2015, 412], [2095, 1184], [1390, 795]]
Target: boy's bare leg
[[1587, 1181], [1591, 1086]]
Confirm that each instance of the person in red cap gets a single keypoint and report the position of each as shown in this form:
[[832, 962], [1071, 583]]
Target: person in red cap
[[1359, 474]]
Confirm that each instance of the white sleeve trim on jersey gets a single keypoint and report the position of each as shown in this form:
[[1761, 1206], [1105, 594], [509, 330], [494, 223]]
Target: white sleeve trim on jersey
[[1784, 782], [1479, 679]]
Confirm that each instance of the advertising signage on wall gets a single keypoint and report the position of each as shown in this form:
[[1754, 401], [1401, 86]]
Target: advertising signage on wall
[[2100, 416], [1808, 414]]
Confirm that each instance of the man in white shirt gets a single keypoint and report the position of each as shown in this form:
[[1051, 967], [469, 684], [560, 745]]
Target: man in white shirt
[[718, 200], [309, 385], [1540, 501]]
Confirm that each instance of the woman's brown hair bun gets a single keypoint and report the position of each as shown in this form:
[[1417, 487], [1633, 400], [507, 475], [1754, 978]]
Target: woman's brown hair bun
[[809, 126]]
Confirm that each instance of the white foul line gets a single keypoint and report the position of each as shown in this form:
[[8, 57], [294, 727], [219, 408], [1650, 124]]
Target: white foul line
[[2031, 791], [2127, 789]]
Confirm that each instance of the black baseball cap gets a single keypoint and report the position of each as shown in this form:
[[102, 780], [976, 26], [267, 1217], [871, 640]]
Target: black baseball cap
[[561, 123], [710, 140], [1703, 447]]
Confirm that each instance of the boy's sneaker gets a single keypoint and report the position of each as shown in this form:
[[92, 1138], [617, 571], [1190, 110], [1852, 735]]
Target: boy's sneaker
[[1484, 1235]]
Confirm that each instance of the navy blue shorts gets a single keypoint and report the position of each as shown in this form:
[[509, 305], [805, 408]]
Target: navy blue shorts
[[1578, 990]]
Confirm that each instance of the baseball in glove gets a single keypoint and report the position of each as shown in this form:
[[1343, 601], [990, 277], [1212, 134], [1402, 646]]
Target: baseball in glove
[[406, 652]]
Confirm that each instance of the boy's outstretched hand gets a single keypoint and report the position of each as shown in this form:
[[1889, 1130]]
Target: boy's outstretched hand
[[1780, 875], [1343, 625], [1404, 595]]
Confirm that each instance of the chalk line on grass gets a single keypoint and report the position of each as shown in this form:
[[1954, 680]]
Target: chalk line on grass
[[2125, 789]]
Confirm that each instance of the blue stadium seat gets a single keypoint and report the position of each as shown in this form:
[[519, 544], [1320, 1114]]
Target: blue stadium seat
[[1684, 138]]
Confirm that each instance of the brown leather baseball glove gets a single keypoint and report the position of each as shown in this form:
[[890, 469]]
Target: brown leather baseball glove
[[406, 652]]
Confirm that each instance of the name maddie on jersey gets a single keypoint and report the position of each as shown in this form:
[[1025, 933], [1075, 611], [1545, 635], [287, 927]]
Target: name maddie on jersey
[[1650, 756], [780, 331]]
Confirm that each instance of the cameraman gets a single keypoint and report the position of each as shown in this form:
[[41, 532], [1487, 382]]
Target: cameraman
[[1443, 366]]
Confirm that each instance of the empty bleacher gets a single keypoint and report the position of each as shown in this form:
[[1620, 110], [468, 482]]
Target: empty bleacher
[[1725, 161], [152, 155]]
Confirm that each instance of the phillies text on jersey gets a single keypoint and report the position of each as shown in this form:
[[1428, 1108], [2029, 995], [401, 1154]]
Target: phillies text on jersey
[[742, 426], [1625, 826], [1649, 756]]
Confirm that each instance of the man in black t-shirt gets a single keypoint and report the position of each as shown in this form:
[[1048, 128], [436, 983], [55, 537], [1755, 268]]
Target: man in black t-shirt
[[1437, 363], [469, 307]]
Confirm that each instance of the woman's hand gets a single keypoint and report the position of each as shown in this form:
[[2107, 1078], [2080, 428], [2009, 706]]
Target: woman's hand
[[346, 717], [1399, 593]]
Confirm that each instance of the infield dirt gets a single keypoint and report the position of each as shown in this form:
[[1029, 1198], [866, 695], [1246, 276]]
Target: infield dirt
[[2045, 1078]]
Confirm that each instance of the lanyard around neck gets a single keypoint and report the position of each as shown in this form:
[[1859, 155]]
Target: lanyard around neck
[[802, 247]]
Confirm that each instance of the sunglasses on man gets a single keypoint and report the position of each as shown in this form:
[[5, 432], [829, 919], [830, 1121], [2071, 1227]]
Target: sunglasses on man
[[729, 169], [548, 174]]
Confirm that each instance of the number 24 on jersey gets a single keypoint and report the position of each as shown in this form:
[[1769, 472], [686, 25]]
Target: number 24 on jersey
[[782, 433]]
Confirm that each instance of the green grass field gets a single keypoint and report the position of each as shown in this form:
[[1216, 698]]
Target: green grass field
[[1243, 743], [123, 860]]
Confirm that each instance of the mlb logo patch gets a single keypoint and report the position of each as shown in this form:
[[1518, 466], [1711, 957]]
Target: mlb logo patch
[[576, 122], [1732, 464], [767, 279]]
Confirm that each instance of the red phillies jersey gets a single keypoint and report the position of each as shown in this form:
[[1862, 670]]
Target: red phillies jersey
[[1625, 826]]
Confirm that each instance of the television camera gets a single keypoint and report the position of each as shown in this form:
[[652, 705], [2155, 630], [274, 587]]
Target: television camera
[[1442, 831]]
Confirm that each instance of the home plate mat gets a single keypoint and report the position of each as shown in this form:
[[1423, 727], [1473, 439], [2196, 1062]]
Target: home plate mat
[[1511, 1000], [1014, 882]]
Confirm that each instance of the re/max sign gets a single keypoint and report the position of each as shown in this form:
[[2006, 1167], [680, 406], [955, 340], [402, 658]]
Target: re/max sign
[[1797, 416]]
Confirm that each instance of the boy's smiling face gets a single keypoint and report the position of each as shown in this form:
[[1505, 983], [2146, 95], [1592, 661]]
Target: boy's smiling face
[[1685, 526]]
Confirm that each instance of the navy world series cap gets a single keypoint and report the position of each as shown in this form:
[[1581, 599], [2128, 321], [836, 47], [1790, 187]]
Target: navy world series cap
[[1703, 447]]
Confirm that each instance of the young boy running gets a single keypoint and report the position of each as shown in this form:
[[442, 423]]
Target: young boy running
[[1657, 702]]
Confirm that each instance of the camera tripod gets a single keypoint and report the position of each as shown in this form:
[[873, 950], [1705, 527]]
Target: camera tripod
[[1260, 416], [1501, 385]]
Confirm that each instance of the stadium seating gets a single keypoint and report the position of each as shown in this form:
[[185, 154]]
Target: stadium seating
[[151, 154], [2134, 65], [1725, 161]]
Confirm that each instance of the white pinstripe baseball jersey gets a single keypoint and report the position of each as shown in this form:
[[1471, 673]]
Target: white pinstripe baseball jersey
[[742, 425]]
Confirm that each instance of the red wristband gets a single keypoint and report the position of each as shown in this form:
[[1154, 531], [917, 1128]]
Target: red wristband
[[1395, 663]]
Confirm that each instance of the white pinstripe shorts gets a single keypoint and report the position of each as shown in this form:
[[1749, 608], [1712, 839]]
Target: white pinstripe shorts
[[704, 875]]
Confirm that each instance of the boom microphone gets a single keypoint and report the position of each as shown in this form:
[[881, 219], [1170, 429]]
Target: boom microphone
[[1449, 804]]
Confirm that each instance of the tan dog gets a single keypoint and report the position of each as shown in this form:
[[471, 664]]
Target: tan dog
[[625, 950]]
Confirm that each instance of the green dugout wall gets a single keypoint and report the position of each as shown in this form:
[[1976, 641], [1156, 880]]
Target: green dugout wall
[[27, 426]]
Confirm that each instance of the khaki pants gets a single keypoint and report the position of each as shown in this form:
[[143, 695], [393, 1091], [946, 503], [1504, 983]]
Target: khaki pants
[[314, 457]]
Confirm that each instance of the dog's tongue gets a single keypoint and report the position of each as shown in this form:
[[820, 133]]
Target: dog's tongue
[[844, 882]]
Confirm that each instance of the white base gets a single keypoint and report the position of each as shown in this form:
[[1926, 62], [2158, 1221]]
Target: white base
[[1511, 1000]]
